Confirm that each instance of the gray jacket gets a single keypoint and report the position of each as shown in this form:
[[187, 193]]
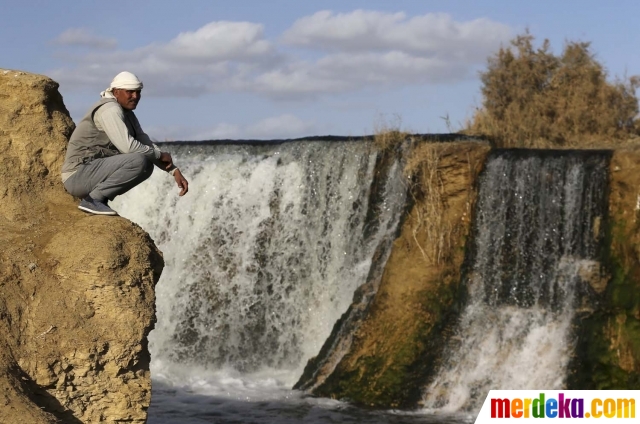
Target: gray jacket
[[88, 142]]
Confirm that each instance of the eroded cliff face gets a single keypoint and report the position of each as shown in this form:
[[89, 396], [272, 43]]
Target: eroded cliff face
[[623, 329], [76, 291], [394, 347], [608, 351]]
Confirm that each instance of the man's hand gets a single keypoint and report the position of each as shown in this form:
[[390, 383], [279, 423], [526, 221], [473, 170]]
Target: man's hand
[[167, 160], [182, 182]]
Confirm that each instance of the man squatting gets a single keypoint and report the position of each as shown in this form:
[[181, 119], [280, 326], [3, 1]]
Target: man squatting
[[109, 154]]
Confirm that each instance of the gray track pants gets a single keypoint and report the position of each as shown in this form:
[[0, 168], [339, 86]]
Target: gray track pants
[[107, 178]]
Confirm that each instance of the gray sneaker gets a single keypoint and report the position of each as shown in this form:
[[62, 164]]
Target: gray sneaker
[[95, 207]]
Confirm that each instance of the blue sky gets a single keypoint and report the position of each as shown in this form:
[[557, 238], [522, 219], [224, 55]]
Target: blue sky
[[283, 68]]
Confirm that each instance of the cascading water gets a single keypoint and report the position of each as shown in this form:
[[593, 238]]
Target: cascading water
[[262, 256], [265, 252], [537, 235]]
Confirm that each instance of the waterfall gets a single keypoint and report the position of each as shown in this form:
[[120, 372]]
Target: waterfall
[[264, 253], [536, 241]]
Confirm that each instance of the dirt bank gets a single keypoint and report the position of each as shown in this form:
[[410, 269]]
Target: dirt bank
[[76, 291]]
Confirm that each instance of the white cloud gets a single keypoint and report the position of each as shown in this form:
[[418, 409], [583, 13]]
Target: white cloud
[[351, 31], [348, 72], [283, 126], [276, 127], [376, 49], [219, 41], [357, 50], [216, 57], [220, 131], [84, 37], [433, 34]]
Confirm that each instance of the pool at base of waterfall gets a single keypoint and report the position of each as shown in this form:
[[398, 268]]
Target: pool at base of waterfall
[[224, 398]]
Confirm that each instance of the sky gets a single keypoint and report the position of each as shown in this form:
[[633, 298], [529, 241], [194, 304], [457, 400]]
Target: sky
[[258, 69]]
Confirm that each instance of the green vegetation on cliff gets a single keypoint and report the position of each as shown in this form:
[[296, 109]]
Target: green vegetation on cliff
[[608, 352], [394, 376]]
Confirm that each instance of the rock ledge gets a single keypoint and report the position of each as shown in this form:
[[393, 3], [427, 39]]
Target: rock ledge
[[77, 294]]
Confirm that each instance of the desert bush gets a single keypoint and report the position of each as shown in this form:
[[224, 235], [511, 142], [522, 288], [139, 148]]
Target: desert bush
[[388, 133], [427, 189], [533, 98]]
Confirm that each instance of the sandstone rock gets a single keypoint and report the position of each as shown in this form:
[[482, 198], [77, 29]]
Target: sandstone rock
[[76, 291]]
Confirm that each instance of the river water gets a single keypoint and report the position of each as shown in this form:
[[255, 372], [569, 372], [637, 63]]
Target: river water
[[262, 257], [265, 252]]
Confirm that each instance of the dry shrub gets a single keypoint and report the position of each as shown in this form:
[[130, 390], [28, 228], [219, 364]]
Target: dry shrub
[[427, 190], [533, 98], [388, 134]]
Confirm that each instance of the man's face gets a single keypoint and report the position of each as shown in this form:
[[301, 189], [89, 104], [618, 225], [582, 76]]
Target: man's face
[[128, 99]]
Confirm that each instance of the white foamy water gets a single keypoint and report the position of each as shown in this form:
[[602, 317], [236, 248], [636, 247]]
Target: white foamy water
[[536, 227], [265, 252], [506, 346], [191, 396], [262, 256]]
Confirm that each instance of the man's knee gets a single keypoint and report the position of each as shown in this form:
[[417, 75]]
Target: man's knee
[[141, 164]]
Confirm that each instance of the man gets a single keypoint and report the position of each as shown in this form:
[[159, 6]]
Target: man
[[109, 154]]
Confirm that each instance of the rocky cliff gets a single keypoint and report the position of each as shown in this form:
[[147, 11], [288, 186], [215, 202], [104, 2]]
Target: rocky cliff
[[76, 291]]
